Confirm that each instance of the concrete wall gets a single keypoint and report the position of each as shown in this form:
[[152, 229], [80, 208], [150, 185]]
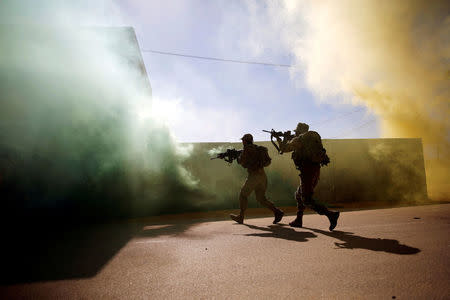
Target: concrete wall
[[361, 170]]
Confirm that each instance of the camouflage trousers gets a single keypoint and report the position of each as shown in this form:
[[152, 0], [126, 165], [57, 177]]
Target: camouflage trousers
[[309, 177], [256, 181]]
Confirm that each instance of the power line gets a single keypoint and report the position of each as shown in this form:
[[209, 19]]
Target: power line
[[265, 64], [217, 59], [321, 123], [353, 129]]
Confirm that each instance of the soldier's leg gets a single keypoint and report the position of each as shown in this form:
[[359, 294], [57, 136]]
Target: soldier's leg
[[317, 207], [310, 178], [323, 210], [298, 222], [261, 198], [299, 199], [260, 193], [246, 190]]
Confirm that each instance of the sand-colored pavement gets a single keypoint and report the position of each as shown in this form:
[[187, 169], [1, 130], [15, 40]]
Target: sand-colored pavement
[[372, 254]]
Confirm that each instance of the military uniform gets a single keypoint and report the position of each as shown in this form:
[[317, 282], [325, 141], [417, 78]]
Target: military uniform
[[306, 150], [256, 181]]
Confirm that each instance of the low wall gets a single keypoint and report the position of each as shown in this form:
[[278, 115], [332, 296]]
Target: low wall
[[361, 170], [375, 171]]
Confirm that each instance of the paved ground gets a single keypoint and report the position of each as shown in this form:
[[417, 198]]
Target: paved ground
[[372, 254]]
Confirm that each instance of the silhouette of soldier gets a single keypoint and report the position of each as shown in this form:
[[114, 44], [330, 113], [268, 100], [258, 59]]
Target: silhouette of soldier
[[308, 155], [254, 158]]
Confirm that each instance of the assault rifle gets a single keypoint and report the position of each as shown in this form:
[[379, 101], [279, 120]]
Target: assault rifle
[[287, 136], [229, 155]]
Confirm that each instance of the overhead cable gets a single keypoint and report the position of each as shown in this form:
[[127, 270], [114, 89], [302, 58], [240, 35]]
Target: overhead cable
[[342, 134], [218, 59], [321, 123]]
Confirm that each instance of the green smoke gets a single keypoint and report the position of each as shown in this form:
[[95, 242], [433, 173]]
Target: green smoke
[[71, 143]]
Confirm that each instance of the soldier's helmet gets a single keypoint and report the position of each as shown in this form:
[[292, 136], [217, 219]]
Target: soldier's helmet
[[301, 128], [247, 138]]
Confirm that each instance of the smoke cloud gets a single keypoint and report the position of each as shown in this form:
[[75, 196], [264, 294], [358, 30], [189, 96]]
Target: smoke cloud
[[391, 56], [216, 150], [73, 139]]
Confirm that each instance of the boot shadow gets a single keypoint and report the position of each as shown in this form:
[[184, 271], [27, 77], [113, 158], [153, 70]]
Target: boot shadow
[[281, 232], [352, 241]]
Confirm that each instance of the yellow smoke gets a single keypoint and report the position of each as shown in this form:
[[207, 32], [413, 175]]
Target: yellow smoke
[[392, 56]]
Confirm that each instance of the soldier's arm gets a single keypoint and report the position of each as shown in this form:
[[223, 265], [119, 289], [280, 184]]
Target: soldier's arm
[[289, 146]]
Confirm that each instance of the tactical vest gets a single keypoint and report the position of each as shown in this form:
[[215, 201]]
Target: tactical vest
[[263, 156], [312, 150], [257, 157]]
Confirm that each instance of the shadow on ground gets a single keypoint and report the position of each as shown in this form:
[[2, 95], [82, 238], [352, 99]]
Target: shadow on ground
[[281, 232], [172, 229], [36, 252], [349, 239], [352, 241], [41, 252]]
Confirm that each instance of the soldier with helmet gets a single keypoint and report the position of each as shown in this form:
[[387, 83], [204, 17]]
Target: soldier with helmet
[[254, 158], [308, 155]]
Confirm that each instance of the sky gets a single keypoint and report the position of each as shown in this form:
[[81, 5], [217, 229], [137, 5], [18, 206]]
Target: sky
[[210, 101], [356, 66], [204, 101], [340, 55]]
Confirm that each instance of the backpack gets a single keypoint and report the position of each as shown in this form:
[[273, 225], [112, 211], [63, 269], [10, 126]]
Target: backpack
[[263, 156], [313, 149]]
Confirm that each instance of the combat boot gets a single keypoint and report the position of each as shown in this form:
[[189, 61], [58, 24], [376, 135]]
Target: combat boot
[[298, 222], [333, 216], [237, 218], [278, 216]]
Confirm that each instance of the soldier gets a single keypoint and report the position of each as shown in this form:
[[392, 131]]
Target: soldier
[[308, 154], [254, 158]]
